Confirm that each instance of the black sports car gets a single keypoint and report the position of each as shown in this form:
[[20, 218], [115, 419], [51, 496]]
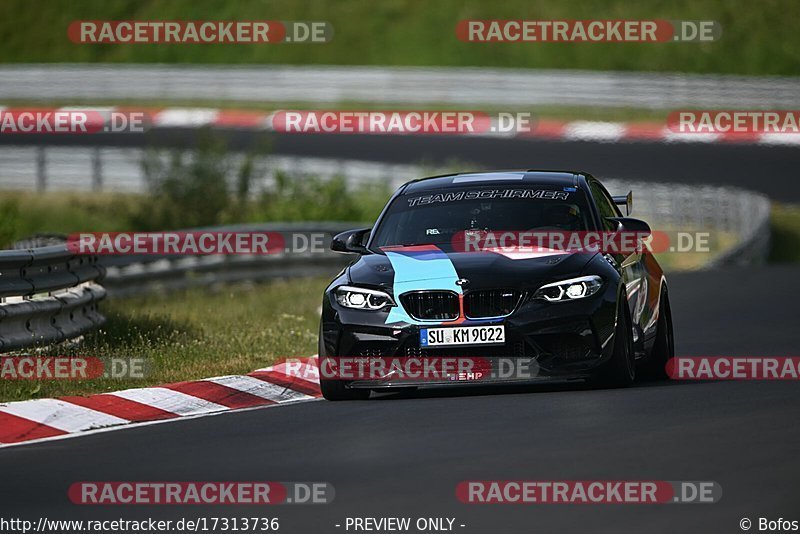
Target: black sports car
[[513, 314]]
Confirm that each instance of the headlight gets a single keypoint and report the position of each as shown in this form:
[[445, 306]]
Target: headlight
[[574, 288], [362, 298]]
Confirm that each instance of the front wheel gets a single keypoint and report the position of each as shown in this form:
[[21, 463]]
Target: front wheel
[[620, 370]]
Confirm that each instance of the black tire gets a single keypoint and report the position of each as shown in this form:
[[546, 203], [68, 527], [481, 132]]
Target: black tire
[[620, 369], [335, 390], [655, 368]]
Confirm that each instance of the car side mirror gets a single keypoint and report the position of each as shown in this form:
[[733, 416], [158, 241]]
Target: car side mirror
[[629, 224], [351, 241]]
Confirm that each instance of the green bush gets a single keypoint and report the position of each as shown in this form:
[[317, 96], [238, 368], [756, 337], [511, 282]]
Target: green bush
[[208, 186], [188, 190], [758, 37], [9, 221], [310, 198]]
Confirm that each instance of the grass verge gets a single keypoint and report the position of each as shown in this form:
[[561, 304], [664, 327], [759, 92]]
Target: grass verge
[[757, 37], [24, 213], [192, 334]]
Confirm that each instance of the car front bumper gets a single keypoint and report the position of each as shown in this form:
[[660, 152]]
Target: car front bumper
[[544, 342]]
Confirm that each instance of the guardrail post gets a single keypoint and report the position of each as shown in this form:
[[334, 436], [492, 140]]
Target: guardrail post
[[41, 169], [97, 170]]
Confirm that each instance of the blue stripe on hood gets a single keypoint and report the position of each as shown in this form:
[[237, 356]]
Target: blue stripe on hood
[[419, 268]]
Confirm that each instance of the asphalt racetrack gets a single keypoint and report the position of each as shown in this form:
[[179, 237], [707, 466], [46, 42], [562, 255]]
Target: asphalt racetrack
[[765, 168], [403, 456]]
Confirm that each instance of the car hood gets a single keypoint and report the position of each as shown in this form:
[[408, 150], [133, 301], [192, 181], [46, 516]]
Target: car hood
[[402, 269]]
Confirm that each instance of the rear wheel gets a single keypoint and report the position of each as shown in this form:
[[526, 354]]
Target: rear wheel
[[620, 370], [655, 368], [335, 390]]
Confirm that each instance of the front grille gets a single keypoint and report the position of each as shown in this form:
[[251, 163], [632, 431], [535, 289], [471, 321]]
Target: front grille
[[431, 305], [490, 302], [564, 347], [373, 351], [512, 349]]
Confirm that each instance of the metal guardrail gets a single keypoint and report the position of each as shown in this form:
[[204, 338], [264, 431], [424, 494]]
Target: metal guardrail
[[755, 235], [722, 209], [396, 85], [47, 295], [126, 275], [76, 168]]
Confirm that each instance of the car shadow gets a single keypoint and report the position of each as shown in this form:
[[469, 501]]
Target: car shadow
[[516, 389]]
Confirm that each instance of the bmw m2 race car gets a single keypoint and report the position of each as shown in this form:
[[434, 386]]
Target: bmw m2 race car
[[447, 289]]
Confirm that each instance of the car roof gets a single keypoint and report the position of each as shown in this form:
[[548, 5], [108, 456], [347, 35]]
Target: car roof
[[515, 177]]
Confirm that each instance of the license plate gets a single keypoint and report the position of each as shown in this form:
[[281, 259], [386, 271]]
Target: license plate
[[462, 335]]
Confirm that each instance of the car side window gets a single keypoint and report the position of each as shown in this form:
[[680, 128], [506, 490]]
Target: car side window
[[605, 206]]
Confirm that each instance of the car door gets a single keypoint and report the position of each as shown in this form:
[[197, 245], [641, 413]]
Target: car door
[[629, 262]]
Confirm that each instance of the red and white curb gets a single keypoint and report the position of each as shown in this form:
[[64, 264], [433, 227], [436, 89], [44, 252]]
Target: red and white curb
[[593, 131], [45, 419]]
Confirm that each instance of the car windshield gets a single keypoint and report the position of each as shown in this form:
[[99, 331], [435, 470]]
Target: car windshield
[[435, 217]]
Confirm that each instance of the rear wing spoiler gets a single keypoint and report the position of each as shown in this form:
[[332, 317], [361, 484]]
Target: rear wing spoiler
[[624, 200]]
